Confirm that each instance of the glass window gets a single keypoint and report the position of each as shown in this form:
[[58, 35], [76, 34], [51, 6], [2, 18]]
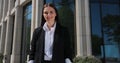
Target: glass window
[[49, 1], [108, 13], [12, 33], [110, 9], [66, 10], [111, 24], [111, 1], [105, 24], [95, 18], [26, 31], [96, 30], [94, 0]]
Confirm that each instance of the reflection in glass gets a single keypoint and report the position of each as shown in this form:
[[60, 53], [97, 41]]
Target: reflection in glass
[[111, 1], [48, 1], [105, 24], [112, 9], [94, 0], [26, 31], [96, 31], [111, 28], [96, 21], [106, 1]]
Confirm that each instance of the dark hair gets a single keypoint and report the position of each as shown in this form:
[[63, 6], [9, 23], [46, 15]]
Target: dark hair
[[49, 5]]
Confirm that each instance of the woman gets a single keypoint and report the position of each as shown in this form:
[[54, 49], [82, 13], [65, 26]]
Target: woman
[[51, 41]]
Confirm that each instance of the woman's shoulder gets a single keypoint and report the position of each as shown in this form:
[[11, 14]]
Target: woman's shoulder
[[38, 29]]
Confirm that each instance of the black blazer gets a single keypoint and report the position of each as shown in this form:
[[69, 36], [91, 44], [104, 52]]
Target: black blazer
[[61, 45]]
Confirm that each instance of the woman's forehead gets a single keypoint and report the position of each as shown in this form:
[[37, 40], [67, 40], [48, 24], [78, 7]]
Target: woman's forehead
[[49, 8]]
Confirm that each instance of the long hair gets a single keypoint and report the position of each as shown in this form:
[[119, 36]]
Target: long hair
[[49, 5]]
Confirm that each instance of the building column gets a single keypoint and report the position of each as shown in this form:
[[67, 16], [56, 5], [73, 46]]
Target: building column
[[83, 28], [36, 14], [10, 6], [1, 9], [33, 17], [16, 49], [3, 31], [88, 28], [8, 41], [39, 6], [5, 9], [9, 33], [3, 36]]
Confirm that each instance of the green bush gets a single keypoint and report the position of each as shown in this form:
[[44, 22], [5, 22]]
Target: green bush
[[86, 59]]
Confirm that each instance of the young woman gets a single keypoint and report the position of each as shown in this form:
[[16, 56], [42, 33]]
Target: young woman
[[51, 41]]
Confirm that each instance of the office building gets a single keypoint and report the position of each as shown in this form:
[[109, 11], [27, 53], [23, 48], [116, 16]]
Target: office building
[[93, 26]]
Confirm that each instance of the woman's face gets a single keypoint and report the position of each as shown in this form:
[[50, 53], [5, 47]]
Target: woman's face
[[49, 14]]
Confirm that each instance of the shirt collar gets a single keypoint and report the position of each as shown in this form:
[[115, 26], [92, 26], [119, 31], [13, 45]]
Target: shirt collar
[[45, 27]]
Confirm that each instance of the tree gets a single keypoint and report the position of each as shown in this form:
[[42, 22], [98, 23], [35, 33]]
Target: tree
[[111, 27]]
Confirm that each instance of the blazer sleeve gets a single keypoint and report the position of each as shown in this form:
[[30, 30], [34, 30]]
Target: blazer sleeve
[[68, 45], [33, 45]]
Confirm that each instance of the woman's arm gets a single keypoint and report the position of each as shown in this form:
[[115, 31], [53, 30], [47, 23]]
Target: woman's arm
[[33, 44]]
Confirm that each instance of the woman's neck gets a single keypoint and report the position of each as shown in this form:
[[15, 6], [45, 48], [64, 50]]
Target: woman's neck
[[50, 24]]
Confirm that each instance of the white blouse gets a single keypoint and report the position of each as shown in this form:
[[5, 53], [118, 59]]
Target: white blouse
[[49, 37]]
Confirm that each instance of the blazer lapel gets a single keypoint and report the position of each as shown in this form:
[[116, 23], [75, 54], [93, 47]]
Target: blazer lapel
[[56, 36], [41, 40], [56, 44]]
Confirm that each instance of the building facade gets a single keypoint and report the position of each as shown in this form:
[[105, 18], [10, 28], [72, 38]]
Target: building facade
[[93, 26]]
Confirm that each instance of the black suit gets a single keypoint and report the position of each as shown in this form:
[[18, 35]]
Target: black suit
[[61, 45]]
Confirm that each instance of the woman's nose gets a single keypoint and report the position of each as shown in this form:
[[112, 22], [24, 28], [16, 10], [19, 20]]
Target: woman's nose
[[48, 14]]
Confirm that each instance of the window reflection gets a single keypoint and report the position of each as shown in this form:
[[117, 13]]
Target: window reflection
[[105, 24], [49, 1], [94, 0], [111, 1], [96, 31], [110, 9], [111, 25], [96, 21], [26, 31]]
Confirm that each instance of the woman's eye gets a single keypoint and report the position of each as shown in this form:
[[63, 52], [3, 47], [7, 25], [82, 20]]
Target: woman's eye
[[51, 12], [45, 12]]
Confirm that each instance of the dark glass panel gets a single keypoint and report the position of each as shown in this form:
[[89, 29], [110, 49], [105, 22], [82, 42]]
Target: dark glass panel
[[26, 31], [110, 1], [111, 31], [96, 30], [110, 9], [49, 1], [94, 0], [95, 18], [110, 21]]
